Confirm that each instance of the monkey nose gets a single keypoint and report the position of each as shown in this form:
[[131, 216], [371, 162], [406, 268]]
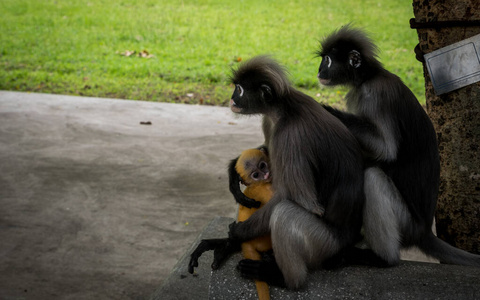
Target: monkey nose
[[234, 107]]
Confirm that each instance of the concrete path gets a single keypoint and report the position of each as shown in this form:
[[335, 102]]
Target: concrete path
[[409, 280], [95, 205]]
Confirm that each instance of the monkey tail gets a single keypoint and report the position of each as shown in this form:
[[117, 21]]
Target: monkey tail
[[263, 290], [447, 254]]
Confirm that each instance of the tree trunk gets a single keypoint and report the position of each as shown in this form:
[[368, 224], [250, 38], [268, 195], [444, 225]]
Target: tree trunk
[[456, 117]]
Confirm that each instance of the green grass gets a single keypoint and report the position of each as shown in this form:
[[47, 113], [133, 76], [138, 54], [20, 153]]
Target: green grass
[[73, 47]]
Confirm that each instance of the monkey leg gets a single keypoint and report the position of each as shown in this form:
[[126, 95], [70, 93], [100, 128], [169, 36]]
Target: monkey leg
[[265, 270], [301, 240], [250, 251], [384, 215]]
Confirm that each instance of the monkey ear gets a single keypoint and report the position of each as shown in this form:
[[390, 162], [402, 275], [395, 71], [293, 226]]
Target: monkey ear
[[354, 59], [266, 91]]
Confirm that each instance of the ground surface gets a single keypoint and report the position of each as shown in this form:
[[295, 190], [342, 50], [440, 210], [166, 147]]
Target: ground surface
[[95, 205]]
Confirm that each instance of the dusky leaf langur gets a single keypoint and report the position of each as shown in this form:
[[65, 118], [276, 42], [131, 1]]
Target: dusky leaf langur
[[253, 168], [399, 142], [318, 175]]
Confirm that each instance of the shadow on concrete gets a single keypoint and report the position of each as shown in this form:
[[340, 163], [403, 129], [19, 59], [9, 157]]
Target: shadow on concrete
[[95, 205]]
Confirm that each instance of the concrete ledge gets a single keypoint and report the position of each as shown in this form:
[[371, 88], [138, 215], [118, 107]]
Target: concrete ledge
[[409, 280]]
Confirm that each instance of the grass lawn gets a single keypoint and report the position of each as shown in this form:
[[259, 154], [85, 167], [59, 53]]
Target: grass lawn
[[184, 50]]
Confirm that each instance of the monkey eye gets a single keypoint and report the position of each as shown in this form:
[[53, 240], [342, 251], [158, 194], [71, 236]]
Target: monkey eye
[[240, 88], [255, 175], [262, 166], [328, 60]]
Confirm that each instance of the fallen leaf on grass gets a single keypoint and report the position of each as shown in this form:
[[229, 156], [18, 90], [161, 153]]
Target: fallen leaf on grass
[[133, 53], [145, 54], [127, 53]]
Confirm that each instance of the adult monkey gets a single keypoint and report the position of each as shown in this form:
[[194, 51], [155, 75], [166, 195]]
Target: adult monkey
[[316, 208], [398, 138]]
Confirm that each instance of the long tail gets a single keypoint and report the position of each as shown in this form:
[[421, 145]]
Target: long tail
[[263, 290], [447, 254]]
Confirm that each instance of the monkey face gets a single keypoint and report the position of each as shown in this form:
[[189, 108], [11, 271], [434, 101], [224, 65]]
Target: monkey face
[[338, 67], [248, 99], [323, 70], [259, 84], [237, 102], [261, 172]]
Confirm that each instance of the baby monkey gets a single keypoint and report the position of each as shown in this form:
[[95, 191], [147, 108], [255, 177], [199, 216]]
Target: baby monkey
[[253, 167]]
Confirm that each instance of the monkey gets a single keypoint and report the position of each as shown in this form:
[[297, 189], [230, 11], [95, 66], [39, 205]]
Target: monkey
[[234, 178], [253, 167], [234, 186], [316, 208], [399, 145]]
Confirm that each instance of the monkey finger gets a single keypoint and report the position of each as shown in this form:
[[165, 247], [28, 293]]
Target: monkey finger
[[319, 211], [219, 255], [192, 265]]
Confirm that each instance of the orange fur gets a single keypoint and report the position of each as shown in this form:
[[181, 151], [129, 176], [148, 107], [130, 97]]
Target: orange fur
[[260, 190]]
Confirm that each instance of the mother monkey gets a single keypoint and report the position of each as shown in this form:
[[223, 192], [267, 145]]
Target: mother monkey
[[318, 197]]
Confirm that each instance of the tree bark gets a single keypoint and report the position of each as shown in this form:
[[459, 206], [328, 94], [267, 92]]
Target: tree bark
[[456, 117]]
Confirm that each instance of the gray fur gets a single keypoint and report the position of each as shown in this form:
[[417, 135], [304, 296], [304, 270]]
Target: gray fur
[[399, 139], [317, 173], [305, 241], [384, 215]]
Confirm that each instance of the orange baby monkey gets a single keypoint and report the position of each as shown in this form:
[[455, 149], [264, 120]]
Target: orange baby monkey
[[253, 168]]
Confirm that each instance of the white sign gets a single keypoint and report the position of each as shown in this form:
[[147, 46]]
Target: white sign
[[454, 66]]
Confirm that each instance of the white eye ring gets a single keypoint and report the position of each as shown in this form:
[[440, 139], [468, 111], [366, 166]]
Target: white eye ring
[[329, 61], [241, 89]]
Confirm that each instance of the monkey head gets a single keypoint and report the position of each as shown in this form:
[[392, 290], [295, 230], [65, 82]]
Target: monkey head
[[346, 55], [258, 82], [253, 166]]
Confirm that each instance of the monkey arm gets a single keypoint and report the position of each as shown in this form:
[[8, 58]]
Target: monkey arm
[[234, 185], [223, 248], [258, 224], [378, 142]]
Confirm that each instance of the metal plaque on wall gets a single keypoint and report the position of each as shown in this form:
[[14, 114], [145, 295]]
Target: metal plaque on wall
[[454, 66]]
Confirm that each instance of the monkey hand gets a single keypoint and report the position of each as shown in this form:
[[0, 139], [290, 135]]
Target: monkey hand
[[223, 251], [204, 245], [247, 202], [319, 211], [263, 148], [329, 109], [315, 208], [223, 248], [265, 270]]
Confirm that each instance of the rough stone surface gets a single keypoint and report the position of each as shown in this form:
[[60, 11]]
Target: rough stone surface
[[456, 117], [410, 280], [181, 285]]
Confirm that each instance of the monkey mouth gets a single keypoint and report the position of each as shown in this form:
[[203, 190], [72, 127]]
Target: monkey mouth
[[324, 81], [234, 107], [267, 177]]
